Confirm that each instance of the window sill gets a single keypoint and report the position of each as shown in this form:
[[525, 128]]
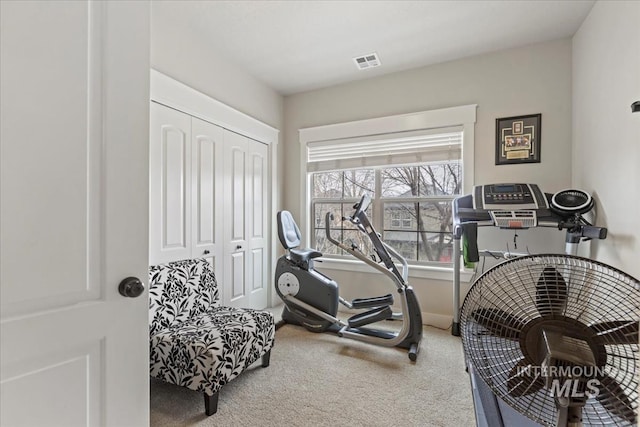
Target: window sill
[[415, 271]]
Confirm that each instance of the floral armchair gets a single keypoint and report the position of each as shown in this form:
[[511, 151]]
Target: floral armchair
[[195, 342]]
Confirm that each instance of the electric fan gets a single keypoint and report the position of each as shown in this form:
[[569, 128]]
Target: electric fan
[[556, 338]]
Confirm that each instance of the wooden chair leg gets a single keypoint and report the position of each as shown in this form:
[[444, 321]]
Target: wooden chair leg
[[266, 359], [211, 403]]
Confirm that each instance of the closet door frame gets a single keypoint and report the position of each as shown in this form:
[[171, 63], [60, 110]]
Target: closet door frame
[[177, 95]]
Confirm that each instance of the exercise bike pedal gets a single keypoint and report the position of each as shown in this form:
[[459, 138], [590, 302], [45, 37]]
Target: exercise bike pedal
[[372, 302], [371, 316]]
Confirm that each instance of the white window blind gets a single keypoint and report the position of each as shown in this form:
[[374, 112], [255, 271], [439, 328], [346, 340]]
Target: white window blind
[[423, 146]]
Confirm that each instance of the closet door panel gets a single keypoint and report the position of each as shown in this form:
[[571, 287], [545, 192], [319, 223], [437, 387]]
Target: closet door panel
[[237, 276], [257, 223], [206, 192], [235, 203], [169, 186], [238, 197]]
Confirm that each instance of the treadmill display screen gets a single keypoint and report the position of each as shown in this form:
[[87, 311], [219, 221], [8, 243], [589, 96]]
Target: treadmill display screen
[[504, 188], [507, 194]]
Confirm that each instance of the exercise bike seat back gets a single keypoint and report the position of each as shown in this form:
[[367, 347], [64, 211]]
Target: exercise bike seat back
[[290, 237]]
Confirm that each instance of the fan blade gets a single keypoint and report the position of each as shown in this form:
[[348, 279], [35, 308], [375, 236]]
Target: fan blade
[[617, 332], [551, 292], [522, 382], [613, 398], [499, 323]]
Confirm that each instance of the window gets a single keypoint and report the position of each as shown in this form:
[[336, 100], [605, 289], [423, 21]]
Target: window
[[412, 166], [411, 208]]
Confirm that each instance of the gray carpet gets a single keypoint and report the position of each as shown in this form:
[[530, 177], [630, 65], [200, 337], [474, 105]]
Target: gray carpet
[[323, 380]]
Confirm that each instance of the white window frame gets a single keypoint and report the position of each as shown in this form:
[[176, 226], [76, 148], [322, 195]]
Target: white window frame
[[464, 116]]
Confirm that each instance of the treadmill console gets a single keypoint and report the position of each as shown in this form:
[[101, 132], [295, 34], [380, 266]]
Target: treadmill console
[[508, 197]]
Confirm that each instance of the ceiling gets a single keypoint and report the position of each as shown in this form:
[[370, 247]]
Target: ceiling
[[296, 46]]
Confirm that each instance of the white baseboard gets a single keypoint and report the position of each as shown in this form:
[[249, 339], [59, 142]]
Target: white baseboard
[[438, 320]]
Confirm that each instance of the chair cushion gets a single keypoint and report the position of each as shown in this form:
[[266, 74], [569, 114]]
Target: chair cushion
[[179, 291], [207, 351]]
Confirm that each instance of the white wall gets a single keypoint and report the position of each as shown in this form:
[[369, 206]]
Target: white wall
[[527, 80], [179, 52], [606, 135]]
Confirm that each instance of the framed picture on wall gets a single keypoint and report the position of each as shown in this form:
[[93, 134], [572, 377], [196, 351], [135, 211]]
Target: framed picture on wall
[[518, 139]]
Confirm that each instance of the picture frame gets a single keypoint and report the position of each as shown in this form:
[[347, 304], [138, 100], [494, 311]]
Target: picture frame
[[518, 139]]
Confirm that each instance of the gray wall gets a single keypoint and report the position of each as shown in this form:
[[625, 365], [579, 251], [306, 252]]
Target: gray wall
[[606, 135], [179, 52], [527, 80]]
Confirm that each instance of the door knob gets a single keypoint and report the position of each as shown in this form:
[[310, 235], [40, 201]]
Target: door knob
[[238, 247], [131, 287]]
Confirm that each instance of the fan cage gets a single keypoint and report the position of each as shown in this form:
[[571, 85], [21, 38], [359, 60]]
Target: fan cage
[[595, 293]]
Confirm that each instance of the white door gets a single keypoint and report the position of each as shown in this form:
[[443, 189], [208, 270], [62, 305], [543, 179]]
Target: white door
[[257, 224], [74, 212], [235, 238], [169, 185], [245, 195]]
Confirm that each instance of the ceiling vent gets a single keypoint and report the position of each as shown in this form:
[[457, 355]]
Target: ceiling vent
[[369, 60]]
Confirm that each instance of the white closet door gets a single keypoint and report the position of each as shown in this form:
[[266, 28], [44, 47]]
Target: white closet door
[[235, 202], [206, 192], [257, 175], [169, 185], [74, 212]]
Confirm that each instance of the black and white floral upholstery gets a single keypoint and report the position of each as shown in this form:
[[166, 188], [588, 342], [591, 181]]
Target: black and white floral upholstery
[[195, 342]]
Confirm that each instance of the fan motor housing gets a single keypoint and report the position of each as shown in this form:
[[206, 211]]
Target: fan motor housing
[[571, 202]]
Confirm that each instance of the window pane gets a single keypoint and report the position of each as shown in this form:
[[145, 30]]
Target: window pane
[[404, 242], [400, 228], [440, 179], [436, 247], [323, 245], [360, 240], [420, 230], [399, 216], [435, 243], [340, 230], [435, 217], [320, 212], [327, 185], [419, 237], [400, 181], [359, 182]]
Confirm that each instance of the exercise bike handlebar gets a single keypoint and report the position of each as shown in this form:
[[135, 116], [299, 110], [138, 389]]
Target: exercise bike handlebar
[[327, 229], [403, 261], [383, 250]]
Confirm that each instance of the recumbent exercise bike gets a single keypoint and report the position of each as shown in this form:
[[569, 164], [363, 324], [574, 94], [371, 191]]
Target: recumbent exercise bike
[[311, 298]]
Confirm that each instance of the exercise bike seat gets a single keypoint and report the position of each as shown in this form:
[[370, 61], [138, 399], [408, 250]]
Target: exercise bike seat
[[290, 237], [303, 255]]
